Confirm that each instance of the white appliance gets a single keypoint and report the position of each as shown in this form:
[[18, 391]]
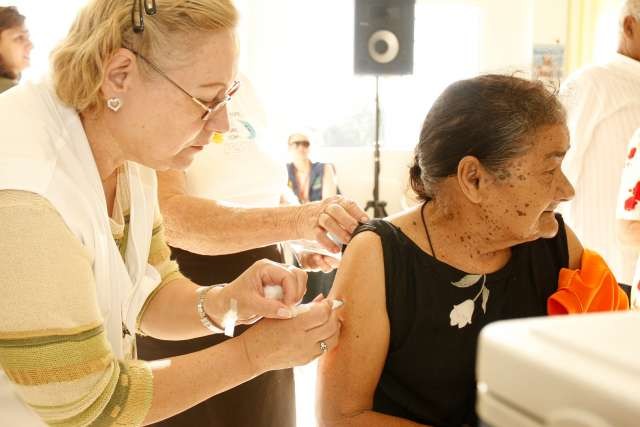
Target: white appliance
[[560, 371]]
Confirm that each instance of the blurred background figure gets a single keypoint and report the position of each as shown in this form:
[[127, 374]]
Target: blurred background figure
[[310, 181], [15, 47], [603, 111]]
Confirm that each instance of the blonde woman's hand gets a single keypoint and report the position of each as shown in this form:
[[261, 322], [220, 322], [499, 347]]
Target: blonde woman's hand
[[310, 261], [336, 215], [248, 292], [279, 344]]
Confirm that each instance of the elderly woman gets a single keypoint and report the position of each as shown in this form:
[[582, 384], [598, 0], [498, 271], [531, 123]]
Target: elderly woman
[[485, 245], [82, 252], [15, 46]]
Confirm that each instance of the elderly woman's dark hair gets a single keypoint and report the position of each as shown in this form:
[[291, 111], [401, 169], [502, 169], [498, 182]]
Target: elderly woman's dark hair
[[9, 18], [491, 117]]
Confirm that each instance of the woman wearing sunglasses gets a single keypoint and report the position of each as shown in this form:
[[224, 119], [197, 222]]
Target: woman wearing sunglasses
[[310, 181], [135, 86]]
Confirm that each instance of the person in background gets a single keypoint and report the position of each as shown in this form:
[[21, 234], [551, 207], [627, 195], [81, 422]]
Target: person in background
[[603, 108], [15, 47], [311, 181], [628, 210], [135, 87], [235, 183]]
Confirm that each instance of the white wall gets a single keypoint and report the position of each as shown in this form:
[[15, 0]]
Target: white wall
[[508, 31], [550, 21], [355, 173], [507, 35], [510, 28]]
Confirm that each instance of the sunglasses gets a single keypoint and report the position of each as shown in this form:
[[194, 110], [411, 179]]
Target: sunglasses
[[305, 144]]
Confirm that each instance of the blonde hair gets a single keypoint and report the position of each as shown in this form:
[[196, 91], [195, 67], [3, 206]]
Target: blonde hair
[[104, 26]]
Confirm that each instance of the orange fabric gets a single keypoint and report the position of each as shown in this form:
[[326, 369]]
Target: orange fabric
[[589, 289]]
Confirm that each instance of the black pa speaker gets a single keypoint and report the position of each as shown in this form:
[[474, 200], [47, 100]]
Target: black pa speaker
[[384, 36]]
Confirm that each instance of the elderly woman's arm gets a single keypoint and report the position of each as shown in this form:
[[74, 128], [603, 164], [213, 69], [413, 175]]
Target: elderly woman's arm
[[349, 374], [210, 228]]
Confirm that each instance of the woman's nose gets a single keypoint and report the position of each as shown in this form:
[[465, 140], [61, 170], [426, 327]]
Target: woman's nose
[[219, 121]]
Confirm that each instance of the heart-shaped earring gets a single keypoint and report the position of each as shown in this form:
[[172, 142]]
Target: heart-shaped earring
[[114, 104]]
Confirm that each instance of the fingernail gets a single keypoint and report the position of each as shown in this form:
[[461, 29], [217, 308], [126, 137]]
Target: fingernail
[[364, 219], [336, 303], [284, 313]]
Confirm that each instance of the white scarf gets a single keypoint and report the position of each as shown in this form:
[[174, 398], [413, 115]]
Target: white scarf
[[44, 150]]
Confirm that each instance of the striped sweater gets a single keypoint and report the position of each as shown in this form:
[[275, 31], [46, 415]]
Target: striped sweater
[[53, 347]]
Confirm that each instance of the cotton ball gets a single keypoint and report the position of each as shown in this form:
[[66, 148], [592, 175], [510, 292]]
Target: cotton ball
[[273, 292]]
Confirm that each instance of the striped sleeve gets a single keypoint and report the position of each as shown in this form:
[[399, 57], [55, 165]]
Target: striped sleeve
[[160, 253], [53, 346], [160, 259]]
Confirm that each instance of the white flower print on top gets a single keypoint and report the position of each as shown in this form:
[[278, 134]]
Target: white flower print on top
[[462, 313]]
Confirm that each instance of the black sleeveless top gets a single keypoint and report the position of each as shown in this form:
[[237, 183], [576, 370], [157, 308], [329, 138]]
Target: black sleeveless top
[[429, 373]]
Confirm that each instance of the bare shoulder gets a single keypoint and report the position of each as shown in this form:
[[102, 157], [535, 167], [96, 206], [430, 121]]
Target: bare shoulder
[[405, 218], [361, 267]]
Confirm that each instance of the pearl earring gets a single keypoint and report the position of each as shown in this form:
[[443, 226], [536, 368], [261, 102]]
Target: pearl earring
[[114, 104]]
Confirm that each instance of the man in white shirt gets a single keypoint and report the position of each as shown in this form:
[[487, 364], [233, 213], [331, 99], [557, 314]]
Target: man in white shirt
[[603, 106]]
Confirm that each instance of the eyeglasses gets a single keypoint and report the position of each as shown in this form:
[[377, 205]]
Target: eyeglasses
[[210, 109], [305, 144]]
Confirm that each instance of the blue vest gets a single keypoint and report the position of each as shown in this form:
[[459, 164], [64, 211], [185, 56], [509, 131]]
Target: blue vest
[[315, 181]]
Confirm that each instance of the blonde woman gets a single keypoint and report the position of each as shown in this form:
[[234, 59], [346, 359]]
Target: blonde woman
[[136, 86]]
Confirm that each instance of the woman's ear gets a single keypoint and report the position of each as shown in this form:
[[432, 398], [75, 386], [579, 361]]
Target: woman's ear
[[628, 26], [470, 178], [118, 73]]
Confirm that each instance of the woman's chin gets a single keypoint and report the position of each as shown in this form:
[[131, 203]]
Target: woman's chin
[[548, 225]]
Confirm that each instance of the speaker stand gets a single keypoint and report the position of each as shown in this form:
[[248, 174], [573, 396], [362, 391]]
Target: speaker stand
[[378, 206]]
